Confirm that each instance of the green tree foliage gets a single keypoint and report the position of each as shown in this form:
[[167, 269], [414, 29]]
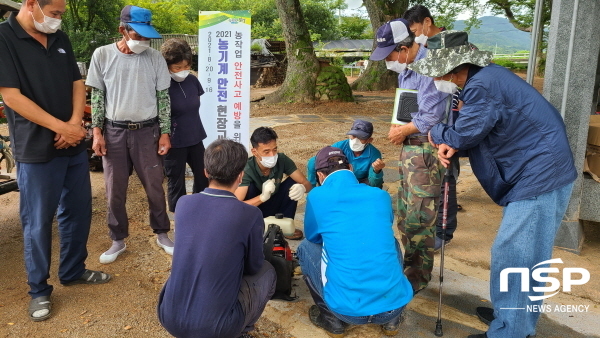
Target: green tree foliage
[[169, 17], [355, 27], [319, 15], [91, 24]]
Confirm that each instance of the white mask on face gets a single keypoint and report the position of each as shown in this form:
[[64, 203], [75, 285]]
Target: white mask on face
[[422, 39], [180, 76], [445, 86], [49, 26], [269, 161], [137, 46], [396, 66], [356, 145]]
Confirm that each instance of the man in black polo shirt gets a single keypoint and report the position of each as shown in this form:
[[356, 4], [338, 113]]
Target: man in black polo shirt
[[45, 97], [264, 185]]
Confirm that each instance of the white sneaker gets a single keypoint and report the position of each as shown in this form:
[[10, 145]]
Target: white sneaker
[[111, 254], [165, 242]]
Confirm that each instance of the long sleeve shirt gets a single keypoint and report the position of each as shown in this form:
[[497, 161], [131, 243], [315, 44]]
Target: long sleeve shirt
[[361, 165], [219, 239], [433, 104]]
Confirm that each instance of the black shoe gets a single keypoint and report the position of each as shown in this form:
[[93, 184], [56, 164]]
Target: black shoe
[[481, 335], [391, 328], [485, 314], [246, 335], [327, 321]]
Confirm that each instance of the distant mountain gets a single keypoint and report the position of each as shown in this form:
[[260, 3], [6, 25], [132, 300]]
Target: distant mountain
[[496, 33]]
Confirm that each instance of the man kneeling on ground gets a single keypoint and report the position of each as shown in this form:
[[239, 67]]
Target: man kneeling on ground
[[350, 259], [220, 282], [366, 161], [264, 185]]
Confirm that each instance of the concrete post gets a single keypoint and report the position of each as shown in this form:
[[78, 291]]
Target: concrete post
[[574, 96]]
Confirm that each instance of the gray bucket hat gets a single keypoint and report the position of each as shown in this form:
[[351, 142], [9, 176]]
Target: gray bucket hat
[[448, 50]]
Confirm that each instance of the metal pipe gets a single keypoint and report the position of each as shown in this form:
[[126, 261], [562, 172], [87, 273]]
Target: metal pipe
[[536, 31], [563, 106]]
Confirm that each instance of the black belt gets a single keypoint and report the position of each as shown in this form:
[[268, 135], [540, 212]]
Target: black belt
[[133, 125], [415, 140]]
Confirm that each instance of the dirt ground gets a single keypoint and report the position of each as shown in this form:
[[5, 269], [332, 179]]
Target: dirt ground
[[125, 307]]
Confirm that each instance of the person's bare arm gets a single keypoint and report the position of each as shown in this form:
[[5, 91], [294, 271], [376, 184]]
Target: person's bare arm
[[241, 192], [73, 134]]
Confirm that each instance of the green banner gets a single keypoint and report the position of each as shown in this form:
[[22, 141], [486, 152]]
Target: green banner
[[211, 18]]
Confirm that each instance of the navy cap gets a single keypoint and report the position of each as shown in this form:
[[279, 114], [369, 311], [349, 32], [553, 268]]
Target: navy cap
[[361, 129], [323, 156], [388, 36], [140, 20]]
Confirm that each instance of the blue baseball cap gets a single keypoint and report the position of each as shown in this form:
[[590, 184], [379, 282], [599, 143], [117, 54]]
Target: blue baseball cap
[[361, 129], [388, 36], [140, 20]]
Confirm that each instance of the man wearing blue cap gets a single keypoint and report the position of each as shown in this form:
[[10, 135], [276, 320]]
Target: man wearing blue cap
[[366, 161], [131, 123], [420, 174]]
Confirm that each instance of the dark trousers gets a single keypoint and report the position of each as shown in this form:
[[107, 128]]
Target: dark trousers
[[255, 292], [279, 202], [127, 150], [175, 161], [451, 222], [60, 186]]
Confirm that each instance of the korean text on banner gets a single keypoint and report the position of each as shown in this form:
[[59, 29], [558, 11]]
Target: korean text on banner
[[224, 71]]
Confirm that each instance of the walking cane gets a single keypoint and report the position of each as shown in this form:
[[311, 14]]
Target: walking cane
[[438, 325]]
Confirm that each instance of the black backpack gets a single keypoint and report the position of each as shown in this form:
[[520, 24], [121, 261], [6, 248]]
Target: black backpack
[[277, 252]]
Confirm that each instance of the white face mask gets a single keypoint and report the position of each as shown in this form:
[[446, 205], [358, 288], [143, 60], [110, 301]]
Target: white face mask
[[396, 66], [49, 26], [421, 39], [445, 86], [137, 46], [269, 161], [356, 145], [180, 76]]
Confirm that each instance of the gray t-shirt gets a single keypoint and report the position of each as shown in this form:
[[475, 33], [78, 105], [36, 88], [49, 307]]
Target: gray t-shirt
[[129, 80]]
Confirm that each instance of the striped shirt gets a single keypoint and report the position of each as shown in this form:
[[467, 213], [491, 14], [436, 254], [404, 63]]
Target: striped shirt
[[432, 103]]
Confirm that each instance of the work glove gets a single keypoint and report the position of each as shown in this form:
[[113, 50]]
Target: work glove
[[268, 188], [297, 192]]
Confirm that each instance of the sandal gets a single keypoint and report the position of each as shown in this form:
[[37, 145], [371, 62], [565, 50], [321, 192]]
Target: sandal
[[298, 234], [90, 277], [39, 304]]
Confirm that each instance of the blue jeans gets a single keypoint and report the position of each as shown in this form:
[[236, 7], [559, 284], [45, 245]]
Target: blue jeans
[[309, 255], [525, 238], [60, 186]]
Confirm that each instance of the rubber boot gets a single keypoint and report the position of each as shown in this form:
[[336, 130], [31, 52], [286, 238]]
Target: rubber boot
[[391, 328], [321, 316]]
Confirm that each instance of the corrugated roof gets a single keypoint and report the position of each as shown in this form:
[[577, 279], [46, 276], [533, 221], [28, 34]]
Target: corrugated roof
[[8, 6], [344, 45]]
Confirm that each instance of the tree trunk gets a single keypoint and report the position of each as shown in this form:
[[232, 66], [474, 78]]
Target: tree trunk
[[303, 66], [376, 76]]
